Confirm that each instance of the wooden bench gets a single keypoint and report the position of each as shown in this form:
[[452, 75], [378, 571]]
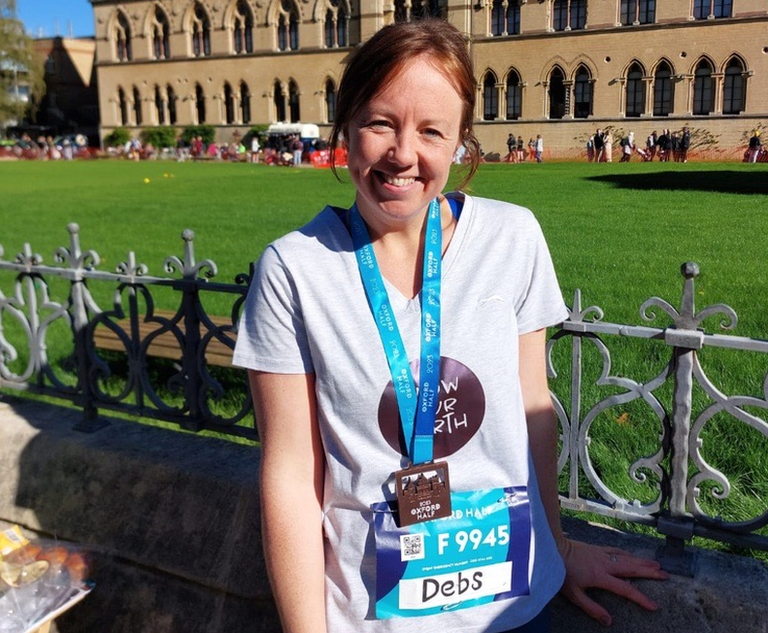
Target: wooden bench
[[166, 345]]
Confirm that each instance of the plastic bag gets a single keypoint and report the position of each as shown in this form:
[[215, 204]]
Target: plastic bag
[[38, 580]]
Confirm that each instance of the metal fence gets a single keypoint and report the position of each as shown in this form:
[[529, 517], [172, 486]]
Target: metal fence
[[132, 357]]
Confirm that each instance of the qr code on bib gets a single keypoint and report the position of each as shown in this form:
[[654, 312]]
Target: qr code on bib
[[411, 547]]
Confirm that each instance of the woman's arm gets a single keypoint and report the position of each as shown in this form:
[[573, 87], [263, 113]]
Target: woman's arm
[[291, 489], [586, 565]]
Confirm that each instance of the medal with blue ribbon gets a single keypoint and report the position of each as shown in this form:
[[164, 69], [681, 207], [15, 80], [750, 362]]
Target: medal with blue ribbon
[[423, 490]]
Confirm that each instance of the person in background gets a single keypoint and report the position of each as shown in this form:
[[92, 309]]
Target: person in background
[[539, 148], [754, 146]]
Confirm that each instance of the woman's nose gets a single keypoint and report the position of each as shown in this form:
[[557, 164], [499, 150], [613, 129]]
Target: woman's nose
[[403, 149]]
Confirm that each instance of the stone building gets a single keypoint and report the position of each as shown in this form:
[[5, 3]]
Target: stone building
[[560, 68]]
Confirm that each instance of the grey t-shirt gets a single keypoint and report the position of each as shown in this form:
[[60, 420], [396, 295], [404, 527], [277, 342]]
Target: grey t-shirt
[[307, 313]]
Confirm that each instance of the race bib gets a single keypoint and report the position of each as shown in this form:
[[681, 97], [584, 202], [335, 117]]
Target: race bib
[[477, 555]]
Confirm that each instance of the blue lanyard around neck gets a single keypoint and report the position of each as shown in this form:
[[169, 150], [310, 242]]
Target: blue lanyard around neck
[[417, 414]]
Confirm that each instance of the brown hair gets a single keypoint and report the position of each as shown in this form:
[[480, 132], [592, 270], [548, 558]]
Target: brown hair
[[376, 64]]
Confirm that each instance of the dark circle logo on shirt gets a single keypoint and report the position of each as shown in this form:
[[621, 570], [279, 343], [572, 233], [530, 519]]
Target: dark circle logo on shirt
[[460, 411]]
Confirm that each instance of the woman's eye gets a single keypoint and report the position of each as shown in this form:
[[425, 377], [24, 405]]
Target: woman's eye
[[378, 124]]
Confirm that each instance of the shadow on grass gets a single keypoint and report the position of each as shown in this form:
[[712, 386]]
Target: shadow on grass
[[752, 182]]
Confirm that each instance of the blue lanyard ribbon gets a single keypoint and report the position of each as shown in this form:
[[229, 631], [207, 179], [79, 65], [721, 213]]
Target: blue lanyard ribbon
[[417, 413]]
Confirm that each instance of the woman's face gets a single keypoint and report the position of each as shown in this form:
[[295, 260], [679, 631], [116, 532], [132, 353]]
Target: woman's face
[[401, 145]]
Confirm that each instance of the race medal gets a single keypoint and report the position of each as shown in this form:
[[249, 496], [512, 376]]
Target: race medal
[[423, 493]]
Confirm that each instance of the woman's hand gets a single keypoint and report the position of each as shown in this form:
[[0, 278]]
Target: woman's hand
[[606, 568]]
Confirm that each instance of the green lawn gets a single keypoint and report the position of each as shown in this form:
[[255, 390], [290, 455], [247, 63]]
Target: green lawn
[[618, 232]]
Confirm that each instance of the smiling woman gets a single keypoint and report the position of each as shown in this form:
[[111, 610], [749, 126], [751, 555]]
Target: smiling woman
[[383, 343]]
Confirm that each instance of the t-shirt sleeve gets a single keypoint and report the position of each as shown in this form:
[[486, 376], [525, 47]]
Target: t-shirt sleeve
[[540, 303], [272, 335]]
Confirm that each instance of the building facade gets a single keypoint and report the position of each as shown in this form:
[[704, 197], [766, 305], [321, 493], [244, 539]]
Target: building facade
[[560, 68]]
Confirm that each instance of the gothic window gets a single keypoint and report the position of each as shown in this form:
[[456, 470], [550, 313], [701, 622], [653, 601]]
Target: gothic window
[[287, 27], [635, 91], [569, 15], [505, 18], [161, 33], [733, 87], [638, 12], [705, 9], [242, 30], [201, 32], [200, 104], [293, 101], [330, 101], [137, 106], [159, 106], [582, 94], [122, 103], [490, 97], [336, 24], [229, 104], [556, 94], [407, 10], [703, 94], [245, 102], [171, 104], [123, 50], [514, 96], [662, 90]]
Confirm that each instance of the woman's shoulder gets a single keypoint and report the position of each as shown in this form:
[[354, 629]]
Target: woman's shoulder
[[499, 212]]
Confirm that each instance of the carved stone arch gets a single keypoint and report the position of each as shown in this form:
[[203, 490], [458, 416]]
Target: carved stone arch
[[484, 74], [585, 61], [702, 58], [112, 20], [509, 71], [186, 21], [661, 61], [553, 62], [150, 14], [273, 10], [632, 62], [318, 11], [729, 58]]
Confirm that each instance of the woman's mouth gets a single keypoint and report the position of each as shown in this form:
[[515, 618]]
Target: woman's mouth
[[397, 182]]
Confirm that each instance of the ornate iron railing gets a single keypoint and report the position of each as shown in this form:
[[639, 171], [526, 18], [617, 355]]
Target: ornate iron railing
[[184, 391], [675, 476]]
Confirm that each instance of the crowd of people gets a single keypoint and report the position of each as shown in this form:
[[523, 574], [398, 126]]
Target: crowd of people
[[665, 146], [516, 149]]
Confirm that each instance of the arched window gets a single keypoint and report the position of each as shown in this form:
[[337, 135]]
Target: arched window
[[122, 104], [569, 15], [635, 91], [556, 94], [490, 97], [287, 27], [706, 9], [582, 94], [171, 93], [200, 104], [293, 101], [733, 87], [137, 106], [123, 50], [279, 99], [336, 24], [638, 12], [663, 91], [330, 101], [703, 95], [407, 10], [161, 33], [159, 106], [514, 96], [229, 104], [505, 18], [245, 102], [201, 32], [242, 28]]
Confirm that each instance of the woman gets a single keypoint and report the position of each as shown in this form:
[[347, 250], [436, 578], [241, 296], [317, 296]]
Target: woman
[[335, 313]]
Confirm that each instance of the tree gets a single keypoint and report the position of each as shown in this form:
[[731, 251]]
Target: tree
[[21, 70]]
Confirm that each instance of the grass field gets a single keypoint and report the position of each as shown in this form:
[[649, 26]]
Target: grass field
[[619, 232]]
